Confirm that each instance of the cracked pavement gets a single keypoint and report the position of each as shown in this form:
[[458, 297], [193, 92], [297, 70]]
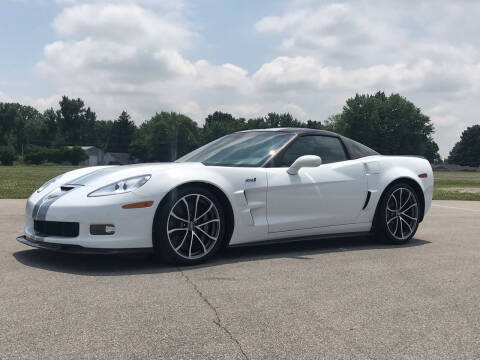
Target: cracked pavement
[[345, 298]]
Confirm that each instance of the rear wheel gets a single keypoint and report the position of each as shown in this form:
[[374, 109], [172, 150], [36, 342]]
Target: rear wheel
[[397, 217], [190, 227]]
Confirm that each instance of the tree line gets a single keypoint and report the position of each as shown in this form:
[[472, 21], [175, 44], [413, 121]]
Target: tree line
[[389, 124]]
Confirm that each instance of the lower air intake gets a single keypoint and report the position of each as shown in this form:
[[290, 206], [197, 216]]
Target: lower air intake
[[56, 228]]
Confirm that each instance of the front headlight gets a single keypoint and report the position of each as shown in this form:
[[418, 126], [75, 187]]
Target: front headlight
[[47, 184], [122, 186]]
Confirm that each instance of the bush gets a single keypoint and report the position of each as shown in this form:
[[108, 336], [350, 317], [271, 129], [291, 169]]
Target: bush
[[38, 155], [59, 155], [76, 155], [7, 155], [35, 154]]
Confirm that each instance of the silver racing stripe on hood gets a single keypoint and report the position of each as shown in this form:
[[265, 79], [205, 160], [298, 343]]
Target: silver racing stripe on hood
[[46, 202], [41, 207]]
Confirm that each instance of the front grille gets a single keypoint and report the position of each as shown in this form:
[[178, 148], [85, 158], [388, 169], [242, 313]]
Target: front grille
[[56, 228]]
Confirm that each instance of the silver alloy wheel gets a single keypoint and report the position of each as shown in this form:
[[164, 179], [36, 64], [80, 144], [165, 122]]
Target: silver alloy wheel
[[401, 213], [193, 226]]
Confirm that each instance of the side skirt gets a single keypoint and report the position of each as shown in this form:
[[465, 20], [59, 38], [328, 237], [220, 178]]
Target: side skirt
[[304, 238]]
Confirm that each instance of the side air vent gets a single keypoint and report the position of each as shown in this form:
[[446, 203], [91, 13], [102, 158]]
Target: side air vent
[[369, 193], [66, 188]]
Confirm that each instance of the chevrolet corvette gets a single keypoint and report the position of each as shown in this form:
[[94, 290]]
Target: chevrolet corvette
[[249, 187]]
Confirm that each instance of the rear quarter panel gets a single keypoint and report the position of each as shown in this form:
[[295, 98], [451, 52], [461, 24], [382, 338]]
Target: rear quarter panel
[[392, 168]]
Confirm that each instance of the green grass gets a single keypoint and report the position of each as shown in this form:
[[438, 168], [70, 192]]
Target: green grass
[[20, 181], [459, 179], [448, 183], [441, 194]]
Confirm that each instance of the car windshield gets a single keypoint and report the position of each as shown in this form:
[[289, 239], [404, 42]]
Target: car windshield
[[247, 149]]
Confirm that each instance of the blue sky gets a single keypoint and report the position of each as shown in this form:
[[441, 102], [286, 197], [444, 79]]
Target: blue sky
[[305, 57]]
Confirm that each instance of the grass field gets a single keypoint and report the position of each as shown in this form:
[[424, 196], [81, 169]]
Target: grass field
[[18, 182], [457, 185]]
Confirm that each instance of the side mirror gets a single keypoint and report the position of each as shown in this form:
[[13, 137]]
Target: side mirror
[[304, 161]]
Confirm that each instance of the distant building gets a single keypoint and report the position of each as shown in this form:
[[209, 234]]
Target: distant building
[[95, 155], [112, 158]]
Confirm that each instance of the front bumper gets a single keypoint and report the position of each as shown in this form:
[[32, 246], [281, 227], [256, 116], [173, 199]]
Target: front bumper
[[77, 249], [133, 227]]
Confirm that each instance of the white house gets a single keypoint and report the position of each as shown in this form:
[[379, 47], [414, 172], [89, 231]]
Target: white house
[[95, 155]]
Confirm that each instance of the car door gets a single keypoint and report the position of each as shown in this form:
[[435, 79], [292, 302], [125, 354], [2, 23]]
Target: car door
[[330, 194]]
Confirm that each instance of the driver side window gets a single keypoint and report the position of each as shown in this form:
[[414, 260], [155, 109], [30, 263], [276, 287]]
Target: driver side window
[[329, 148]]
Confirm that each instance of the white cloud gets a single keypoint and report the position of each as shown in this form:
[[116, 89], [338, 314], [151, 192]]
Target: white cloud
[[336, 33], [122, 22], [132, 55], [44, 103], [4, 97], [428, 54], [109, 53]]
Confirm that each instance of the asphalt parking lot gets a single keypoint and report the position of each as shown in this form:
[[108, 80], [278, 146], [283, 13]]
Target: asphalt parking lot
[[344, 298]]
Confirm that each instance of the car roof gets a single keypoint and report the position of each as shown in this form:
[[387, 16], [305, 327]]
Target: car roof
[[299, 131]]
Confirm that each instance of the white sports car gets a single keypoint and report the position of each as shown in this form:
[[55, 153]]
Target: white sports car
[[257, 186]]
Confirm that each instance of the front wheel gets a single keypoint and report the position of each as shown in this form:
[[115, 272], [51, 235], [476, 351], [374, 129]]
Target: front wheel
[[398, 214], [190, 227]]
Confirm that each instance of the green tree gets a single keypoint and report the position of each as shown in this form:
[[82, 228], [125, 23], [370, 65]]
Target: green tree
[[219, 124], [256, 123], [51, 134], [8, 113], [165, 137], [274, 120], [21, 125], [7, 155], [103, 134], [391, 125], [122, 133], [75, 122], [467, 151]]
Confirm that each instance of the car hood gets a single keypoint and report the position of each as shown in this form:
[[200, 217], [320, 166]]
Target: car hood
[[104, 175]]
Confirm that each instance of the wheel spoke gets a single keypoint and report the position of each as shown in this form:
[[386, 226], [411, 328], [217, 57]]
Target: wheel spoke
[[188, 209], [181, 244], [178, 217], [205, 213], [393, 218], [177, 229], [190, 249], [209, 236], [400, 199], [201, 242], [396, 202], [196, 207], [406, 202], [411, 206], [408, 216], [401, 227], [208, 222], [396, 227], [401, 219]]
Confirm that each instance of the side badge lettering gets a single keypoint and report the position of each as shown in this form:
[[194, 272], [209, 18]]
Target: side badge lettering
[[251, 180]]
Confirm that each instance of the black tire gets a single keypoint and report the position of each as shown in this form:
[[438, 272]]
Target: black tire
[[391, 224], [198, 246]]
